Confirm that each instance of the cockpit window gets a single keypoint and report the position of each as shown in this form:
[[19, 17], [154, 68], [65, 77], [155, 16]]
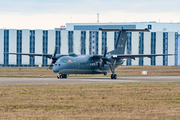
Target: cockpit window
[[64, 60], [69, 61]]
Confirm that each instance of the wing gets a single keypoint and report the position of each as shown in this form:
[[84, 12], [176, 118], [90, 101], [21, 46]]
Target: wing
[[96, 56], [32, 54], [140, 55]]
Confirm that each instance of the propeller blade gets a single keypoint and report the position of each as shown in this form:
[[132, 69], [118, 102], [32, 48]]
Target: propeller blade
[[55, 50], [105, 51], [54, 57]]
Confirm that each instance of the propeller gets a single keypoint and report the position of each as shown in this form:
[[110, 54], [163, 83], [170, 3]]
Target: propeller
[[53, 57]]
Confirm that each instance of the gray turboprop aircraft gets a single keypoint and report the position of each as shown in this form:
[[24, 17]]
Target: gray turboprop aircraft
[[93, 64]]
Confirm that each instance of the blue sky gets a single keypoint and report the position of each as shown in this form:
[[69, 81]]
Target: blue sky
[[48, 14]]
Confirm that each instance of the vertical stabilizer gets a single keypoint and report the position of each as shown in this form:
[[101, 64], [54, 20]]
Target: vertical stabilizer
[[121, 42], [121, 39]]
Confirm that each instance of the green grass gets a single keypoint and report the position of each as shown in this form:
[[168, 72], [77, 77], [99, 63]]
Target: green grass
[[36, 72], [91, 101]]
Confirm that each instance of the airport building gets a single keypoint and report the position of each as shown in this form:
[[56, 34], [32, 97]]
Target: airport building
[[85, 38]]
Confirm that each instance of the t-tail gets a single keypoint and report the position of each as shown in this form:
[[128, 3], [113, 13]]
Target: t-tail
[[121, 39]]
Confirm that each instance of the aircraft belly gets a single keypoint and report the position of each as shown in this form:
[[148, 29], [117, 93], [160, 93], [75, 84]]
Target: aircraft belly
[[80, 71]]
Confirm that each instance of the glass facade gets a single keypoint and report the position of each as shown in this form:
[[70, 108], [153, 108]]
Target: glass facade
[[19, 47], [165, 48], [32, 47], [45, 47], [93, 42], [97, 42], [129, 48], [58, 41], [153, 47], [83, 42], [6, 47], [176, 49], [70, 42], [141, 47], [104, 41]]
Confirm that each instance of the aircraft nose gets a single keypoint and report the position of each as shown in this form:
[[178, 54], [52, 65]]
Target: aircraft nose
[[55, 68]]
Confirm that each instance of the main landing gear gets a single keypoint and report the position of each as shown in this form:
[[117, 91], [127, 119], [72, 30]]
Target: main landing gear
[[62, 76], [113, 76]]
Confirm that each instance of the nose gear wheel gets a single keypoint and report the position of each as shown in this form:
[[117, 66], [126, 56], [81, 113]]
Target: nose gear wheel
[[62, 76]]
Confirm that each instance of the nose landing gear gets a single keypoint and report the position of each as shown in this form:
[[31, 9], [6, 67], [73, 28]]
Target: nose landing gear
[[62, 76]]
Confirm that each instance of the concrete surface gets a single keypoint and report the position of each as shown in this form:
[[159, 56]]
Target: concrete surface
[[88, 80]]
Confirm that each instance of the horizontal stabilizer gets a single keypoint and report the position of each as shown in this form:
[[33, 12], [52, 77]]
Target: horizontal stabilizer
[[140, 55], [138, 30]]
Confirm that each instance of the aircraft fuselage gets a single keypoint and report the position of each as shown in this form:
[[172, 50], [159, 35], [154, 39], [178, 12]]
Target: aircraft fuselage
[[82, 64]]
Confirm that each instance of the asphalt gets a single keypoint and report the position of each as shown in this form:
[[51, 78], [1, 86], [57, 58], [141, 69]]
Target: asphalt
[[88, 80]]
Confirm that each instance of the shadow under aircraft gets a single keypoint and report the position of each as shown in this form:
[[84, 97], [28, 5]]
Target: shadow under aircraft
[[93, 64]]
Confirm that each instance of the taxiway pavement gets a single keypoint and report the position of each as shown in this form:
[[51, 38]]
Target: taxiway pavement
[[89, 80]]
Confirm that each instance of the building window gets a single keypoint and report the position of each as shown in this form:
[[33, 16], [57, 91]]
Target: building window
[[91, 44], [149, 27], [58, 41], [70, 42], [83, 42], [176, 49], [153, 47], [6, 47], [165, 48], [32, 47], [104, 41], [45, 47], [128, 62], [19, 48], [141, 47]]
